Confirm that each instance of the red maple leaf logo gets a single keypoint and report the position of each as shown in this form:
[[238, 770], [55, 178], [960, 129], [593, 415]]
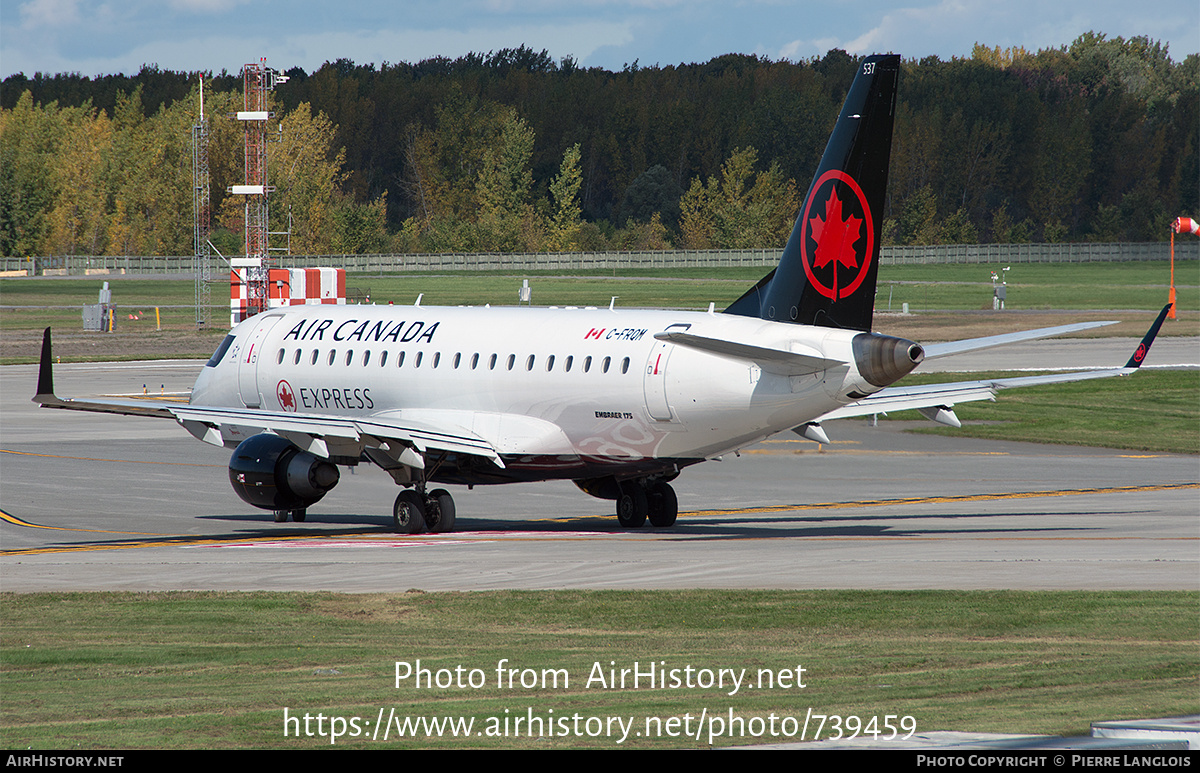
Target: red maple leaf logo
[[287, 400], [834, 236]]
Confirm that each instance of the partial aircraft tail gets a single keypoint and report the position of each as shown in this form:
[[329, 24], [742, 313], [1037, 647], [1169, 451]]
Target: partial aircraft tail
[[826, 275]]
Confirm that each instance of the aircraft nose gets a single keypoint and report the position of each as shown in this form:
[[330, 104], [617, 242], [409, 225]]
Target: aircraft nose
[[883, 360]]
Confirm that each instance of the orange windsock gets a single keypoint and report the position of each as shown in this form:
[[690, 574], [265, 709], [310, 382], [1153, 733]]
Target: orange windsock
[[1185, 225]]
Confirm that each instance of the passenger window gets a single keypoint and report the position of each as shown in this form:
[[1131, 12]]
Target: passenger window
[[550, 363], [383, 359], [349, 356], [604, 368], [492, 362], [457, 359], [437, 357], [512, 360], [474, 360], [314, 357], [400, 360], [625, 365], [366, 357], [529, 363], [296, 359], [279, 359], [567, 364], [587, 363], [332, 355], [417, 361]]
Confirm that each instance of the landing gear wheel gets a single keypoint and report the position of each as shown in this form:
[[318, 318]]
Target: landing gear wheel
[[281, 516], [664, 505], [439, 511], [632, 506], [299, 515], [408, 513]]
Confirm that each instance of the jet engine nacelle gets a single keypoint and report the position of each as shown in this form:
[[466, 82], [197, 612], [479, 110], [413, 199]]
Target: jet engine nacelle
[[883, 360], [269, 472]]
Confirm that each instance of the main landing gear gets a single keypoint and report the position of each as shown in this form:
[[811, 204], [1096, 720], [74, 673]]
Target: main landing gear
[[298, 516], [639, 501], [416, 511]]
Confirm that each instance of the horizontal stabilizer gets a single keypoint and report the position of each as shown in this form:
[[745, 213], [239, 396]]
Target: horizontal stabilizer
[[774, 360], [933, 351]]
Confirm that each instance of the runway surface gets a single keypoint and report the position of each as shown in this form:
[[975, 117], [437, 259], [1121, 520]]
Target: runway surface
[[97, 502]]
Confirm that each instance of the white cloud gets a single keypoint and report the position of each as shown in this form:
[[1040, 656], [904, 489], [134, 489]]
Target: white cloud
[[803, 49], [49, 13], [311, 50], [205, 6], [947, 19], [579, 39]]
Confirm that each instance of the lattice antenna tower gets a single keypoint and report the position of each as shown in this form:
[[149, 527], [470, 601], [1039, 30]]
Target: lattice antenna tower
[[258, 79], [201, 216]]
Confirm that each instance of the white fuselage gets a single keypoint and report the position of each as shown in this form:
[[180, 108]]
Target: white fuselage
[[570, 383]]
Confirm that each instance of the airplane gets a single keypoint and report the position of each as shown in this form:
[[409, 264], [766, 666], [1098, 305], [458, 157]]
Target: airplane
[[619, 401]]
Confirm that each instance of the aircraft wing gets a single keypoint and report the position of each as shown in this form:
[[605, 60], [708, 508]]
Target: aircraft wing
[[936, 401], [946, 396], [312, 432], [315, 432]]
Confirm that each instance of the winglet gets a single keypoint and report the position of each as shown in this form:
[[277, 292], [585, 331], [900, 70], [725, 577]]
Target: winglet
[[1139, 354], [45, 387]]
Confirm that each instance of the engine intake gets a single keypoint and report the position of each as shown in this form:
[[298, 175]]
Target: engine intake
[[269, 472]]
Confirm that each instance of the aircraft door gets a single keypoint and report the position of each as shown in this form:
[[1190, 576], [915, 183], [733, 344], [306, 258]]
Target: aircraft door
[[655, 381], [248, 360]]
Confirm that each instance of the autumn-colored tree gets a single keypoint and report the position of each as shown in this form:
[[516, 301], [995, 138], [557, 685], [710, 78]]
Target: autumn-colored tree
[[563, 227], [305, 170], [507, 221], [1092, 140], [29, 138], [359, 229], [742, 209], [77, 221], [149, 179]]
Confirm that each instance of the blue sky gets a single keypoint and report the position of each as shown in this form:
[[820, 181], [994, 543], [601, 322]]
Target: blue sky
[[108, 36]]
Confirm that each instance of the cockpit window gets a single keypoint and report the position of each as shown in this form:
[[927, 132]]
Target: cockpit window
[[220, 352]]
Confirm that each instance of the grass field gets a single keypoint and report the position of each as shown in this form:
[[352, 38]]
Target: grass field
[[1150, 411], [209, 670], [1040, 295], [1031, 286]]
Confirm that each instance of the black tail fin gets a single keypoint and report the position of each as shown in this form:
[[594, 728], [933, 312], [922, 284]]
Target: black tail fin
[[826, 275]]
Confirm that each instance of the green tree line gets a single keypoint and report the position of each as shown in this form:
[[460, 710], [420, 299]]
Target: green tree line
[[514, 151]]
